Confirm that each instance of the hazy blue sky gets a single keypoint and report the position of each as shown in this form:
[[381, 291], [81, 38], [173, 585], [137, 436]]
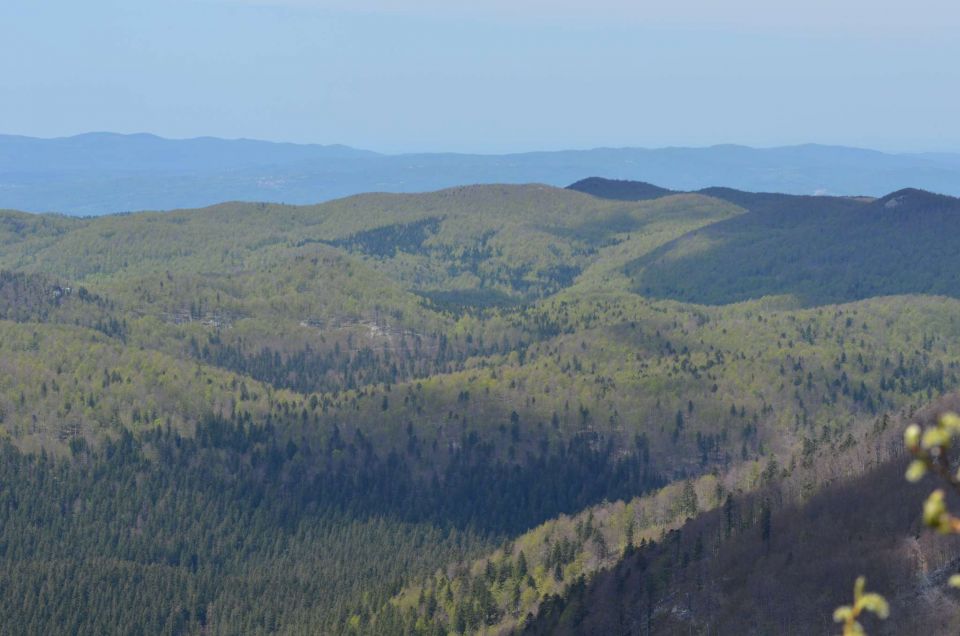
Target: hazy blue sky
[[512, 75]]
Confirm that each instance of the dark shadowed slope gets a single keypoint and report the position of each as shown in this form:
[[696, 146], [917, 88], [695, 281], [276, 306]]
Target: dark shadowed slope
[[757, 566], [785, 580], [618, 189], [817, 249]]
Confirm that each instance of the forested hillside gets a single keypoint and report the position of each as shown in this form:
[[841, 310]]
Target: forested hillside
[[776, 561], [820, 250], [356, 417]]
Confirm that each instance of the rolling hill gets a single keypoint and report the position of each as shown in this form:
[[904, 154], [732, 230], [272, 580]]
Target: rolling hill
[[820, 250], [347, 409]]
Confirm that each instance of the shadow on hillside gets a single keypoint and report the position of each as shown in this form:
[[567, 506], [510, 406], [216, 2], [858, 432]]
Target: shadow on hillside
[[820, 250]]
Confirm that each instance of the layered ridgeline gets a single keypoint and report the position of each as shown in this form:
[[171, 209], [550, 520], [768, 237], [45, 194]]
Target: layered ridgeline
[[105, 173], [258, 418]]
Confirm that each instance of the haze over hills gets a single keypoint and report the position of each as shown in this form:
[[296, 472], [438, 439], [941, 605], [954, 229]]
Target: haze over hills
[[102, 173]]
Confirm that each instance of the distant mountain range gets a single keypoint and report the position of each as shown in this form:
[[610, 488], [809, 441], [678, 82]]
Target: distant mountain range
[[100, 173]]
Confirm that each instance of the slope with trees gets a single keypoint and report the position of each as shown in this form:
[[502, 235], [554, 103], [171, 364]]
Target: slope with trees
[[383, 389]]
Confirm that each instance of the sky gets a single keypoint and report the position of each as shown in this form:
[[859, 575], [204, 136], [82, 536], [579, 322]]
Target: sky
[[492, 76]]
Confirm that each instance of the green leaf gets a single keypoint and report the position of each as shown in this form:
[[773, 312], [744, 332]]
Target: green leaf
[[951, 422], [916, 471], [875, 603], [935, 437], [911, 436], [934, 508]]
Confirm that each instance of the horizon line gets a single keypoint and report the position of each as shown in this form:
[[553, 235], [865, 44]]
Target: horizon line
[[574, 148]]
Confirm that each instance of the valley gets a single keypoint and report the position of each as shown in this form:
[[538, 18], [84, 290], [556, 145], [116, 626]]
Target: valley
[[362, 413]]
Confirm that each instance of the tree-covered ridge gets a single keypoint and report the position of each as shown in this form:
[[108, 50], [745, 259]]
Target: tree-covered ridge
[[66, 384], [890, 246], [446, 451], [304, 315], [778, 559], [331, 367], [662, 563], [817, 249], [622, 190], [520, 243], [41, 298], [503, 591], [523, 242], [693, 380]]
